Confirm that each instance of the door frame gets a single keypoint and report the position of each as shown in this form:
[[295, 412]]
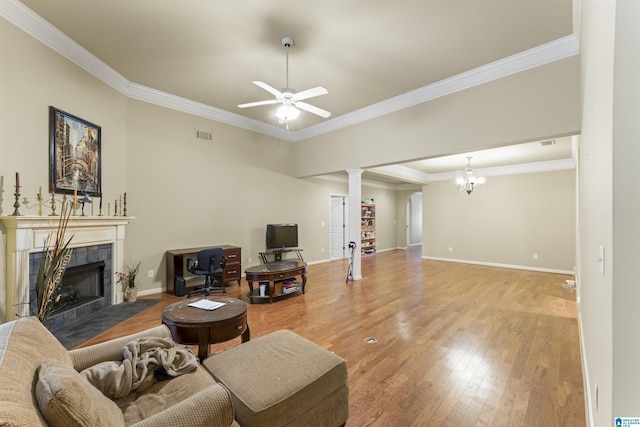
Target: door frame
[[345, 224]]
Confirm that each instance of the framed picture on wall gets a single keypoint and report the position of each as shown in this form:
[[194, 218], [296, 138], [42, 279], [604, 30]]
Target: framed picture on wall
[[74, 154]]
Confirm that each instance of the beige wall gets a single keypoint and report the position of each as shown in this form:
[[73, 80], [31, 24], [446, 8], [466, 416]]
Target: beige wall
[[184, 191], [506, 222], [190, 192], [595, 210], [626, 210], [32, 78], [609, 208], [531, 105]]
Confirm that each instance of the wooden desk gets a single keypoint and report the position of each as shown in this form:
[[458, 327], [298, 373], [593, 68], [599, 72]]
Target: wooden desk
[[176, 265], [191, 326], [273, 272]]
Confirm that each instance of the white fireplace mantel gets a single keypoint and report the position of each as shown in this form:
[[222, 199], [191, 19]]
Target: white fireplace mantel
[[22, 235]]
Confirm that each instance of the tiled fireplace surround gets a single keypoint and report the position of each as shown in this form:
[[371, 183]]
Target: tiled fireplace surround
[[80, 257], [23, 237]]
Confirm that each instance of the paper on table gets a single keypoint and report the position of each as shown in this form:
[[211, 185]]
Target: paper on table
[[205, 304]]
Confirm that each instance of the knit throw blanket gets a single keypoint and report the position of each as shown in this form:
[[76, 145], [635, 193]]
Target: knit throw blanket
[[145, 360]]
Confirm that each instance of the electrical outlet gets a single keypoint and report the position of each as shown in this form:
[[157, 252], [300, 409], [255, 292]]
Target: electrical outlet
[[150, 273], [450, 249], [535, 256], [322, 250], [249, 260]]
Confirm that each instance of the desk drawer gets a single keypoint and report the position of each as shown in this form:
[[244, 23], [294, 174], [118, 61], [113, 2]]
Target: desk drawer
[[231, 273], [233, 269], [234, 256]]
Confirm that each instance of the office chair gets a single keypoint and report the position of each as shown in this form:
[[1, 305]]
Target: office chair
[[210, 264]]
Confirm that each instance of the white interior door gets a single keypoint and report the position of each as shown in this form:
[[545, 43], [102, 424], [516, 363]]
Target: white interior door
[[407, 223], [338, 227]]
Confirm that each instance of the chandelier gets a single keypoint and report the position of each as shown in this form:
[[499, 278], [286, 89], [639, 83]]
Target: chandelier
[[469, 183]]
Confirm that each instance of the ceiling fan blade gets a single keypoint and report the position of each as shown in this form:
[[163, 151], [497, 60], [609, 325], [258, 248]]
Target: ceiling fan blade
[[271, 90], [315, 110], [310, 93], [255, 104]]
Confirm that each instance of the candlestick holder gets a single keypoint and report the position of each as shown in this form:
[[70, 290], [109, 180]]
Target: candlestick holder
[[16, 205], [124, 213], [85, 199], [39, 198], [53, 204]]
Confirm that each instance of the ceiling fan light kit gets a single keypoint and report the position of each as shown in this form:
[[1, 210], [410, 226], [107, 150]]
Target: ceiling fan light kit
[[289, 98], [287, 112]]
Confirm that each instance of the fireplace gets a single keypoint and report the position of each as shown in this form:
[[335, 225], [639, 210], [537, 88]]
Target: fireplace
[[85, 287], [80, 285], [22, 239]]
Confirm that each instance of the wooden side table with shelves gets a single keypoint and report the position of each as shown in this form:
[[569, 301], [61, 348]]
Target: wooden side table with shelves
[[276, 275]]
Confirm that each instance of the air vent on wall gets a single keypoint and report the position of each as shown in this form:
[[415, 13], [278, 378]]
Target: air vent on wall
[[204, 135], [548, 142]]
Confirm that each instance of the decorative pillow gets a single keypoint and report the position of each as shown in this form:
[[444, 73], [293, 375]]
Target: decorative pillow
[[66, 399]]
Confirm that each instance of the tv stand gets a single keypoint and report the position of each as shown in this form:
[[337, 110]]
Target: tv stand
[[276, 254]]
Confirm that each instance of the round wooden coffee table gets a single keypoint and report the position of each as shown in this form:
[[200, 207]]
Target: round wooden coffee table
[[195, 326]]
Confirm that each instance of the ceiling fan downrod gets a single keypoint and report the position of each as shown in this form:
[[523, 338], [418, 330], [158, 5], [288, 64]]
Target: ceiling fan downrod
[[287, 42]]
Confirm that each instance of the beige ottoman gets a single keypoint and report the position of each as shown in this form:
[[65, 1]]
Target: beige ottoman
[[282, 379]]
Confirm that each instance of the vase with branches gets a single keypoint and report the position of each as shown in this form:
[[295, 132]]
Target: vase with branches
[[128, 282], [56, 256]]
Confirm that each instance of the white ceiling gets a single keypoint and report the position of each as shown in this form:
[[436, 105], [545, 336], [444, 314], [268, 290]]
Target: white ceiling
[[550, 154], [371, 55]]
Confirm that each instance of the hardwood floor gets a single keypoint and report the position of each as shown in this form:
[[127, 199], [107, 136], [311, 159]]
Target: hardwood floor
[[457, 344]]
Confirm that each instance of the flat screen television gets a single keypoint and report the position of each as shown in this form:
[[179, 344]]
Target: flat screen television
[[280, 236]]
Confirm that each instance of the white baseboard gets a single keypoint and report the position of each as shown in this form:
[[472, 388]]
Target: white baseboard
[[494, 264], [385, 250], [321, 261], [152, 291]]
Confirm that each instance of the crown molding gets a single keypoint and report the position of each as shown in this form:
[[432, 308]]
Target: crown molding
[[31, 23], [410, 175], [556, 50], [344, 179], [147, 94]]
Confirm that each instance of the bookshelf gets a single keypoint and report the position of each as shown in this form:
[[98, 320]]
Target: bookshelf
[[367, 228]]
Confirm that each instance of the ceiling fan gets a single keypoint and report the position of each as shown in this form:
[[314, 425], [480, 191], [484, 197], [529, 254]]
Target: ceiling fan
[[289, 98]]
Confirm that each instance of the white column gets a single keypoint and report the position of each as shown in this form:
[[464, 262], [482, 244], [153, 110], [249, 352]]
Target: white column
[[118, 264], [17, 265], [355, 194]]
